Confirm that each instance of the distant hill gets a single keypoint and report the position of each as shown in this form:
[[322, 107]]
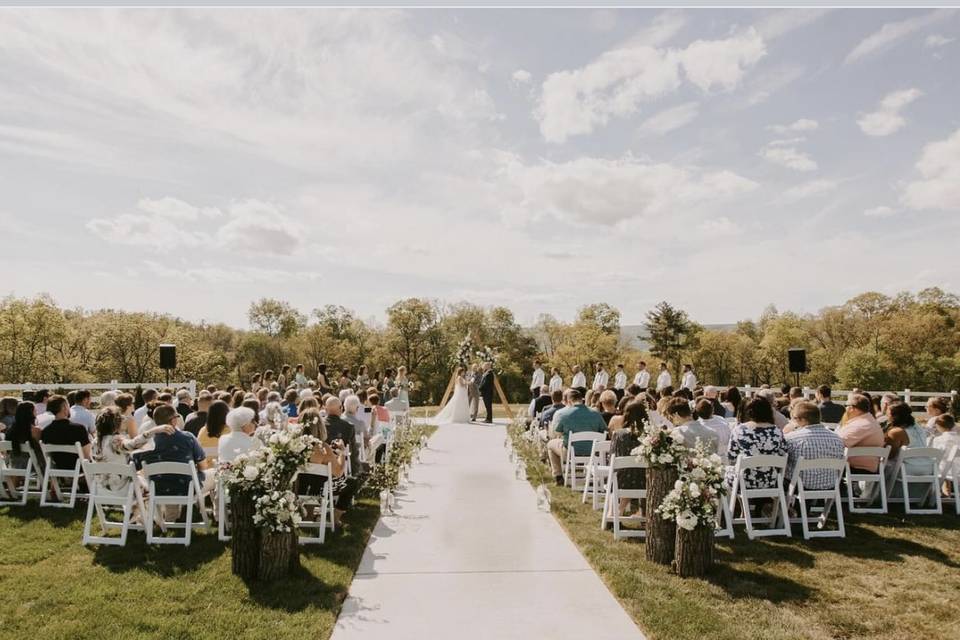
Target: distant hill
[[629, 333]]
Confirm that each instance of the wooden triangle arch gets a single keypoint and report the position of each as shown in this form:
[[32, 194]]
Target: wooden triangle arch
[[496, 386]]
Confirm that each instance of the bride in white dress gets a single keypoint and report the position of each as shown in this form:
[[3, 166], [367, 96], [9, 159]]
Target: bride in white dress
[[457, 409]]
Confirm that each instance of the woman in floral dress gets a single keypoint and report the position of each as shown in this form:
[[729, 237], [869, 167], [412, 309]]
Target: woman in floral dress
[[755, 436]]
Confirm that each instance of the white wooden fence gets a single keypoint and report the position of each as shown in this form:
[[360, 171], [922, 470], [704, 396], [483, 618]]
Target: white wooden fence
[[916, 399], [99, 386]]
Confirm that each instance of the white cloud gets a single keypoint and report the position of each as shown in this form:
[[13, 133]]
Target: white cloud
[[935, 41], [670, 119], [575, 102], [887, 119], [801, 125], [879, 212], [789, 157], [722, 63], [601, 191], [809, 189], [892, 32], [783, 21], [939, 185], [521, 76], [662, 29], [246, 226], [721, 226], [786, 142]]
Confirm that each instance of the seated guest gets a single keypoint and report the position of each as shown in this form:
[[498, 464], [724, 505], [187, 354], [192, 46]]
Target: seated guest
[[215, 428], [179, 446], [623, 441], [148, 396], [352, 414], [903, 430], [542, 401], [830, 411], [241, 424], [21, 435], [557, 403], [711, 393], [936, 407], [80, 411], [665, 395], [757, 435], [198, 419], [947, 439], [271, 398], [114, 445], [184, 403], [324, 453], [577, 418], [616, 422], [731, 402], [108, 399], [634, 391], [340, 429], [860, 429], [383, 414], [720, 426], [64, 431], [811, 440], [274, 416], [395, 404], [680, 414], [290, 403], [607, 405], [124, 404], [8, 412], [770, 396]]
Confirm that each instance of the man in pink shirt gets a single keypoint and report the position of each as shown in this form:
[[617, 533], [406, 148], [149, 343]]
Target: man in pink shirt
[[861, 430]]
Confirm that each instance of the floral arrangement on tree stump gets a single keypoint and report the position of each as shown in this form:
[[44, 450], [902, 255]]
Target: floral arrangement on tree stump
[[264, 510], [664, 452], [694, 504]]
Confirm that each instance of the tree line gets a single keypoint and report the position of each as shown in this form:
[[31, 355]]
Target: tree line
[[872, 341]]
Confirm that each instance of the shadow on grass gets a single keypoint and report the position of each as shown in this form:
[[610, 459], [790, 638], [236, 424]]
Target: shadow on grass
[[738, 583], [58, 517], [161, 560], [298, 592]]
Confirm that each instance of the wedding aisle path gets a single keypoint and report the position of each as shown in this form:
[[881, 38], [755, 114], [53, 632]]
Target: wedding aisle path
[[469, 556]]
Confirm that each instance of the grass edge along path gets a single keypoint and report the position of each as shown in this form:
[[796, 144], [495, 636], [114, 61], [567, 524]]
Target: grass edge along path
[[55, 588], [893, 577]]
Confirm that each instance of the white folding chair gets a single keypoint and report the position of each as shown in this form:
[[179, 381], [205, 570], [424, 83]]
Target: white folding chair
[[52, 475], [930, 479], [831, 497], [8, 495], [323, 514], [724, 521], [740, 491], [950, 474], [577, 464], [613, 495], [872, 485], [156, 503], [223, 501], [597, 469], [103, 498]]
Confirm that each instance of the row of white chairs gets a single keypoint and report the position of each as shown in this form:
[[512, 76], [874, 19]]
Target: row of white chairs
[[596, 472]]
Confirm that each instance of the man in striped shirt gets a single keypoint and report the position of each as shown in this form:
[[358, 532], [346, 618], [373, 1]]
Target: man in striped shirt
[[811, 441]]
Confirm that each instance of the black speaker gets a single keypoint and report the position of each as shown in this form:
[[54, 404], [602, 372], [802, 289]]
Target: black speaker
[[798, 360], [168, 356]]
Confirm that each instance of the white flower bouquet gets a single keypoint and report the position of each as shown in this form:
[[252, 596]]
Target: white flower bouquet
[[661, 447], [696, 495]]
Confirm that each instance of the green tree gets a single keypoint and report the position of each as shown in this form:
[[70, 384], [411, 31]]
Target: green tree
[[275, 318], [671, 334]]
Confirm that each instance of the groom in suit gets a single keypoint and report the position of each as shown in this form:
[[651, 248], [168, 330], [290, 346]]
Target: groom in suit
[[486, 391], [473, 391]]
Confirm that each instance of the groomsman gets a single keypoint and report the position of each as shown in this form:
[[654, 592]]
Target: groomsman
[[619, 382], [556, 380], [663, 380], [689, 378], [579, 380], [642, 379], [600, 378], [538, 380]]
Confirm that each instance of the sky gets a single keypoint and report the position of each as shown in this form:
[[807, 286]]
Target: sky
[[191, 161]]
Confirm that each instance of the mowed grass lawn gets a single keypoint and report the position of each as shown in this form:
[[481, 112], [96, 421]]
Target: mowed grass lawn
[[893, 577], [55, 588]]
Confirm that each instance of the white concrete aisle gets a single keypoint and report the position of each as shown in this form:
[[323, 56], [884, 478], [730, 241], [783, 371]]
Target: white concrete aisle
[[469, 556]]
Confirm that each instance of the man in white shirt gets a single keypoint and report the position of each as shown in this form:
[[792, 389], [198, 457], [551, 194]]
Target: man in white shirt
[[240, 440], [642, 379], [663, 380], [718, 425], [689, 378], [619, 382], [80, 412], [556, 380], [538, 380], [600, 378], [149, 395], [579, 379]]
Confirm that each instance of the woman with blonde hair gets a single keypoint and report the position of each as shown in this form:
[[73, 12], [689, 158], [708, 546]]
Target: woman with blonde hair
[[403, 384]]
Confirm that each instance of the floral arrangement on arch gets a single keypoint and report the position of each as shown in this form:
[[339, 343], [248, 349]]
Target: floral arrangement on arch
[[464, 352], [266, 474], [696, 495], [487, 354], [661, 447]]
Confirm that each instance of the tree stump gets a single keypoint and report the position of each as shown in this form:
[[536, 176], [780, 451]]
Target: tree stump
[[275, 552], [661, 534], [694, 551], [245, 540]]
